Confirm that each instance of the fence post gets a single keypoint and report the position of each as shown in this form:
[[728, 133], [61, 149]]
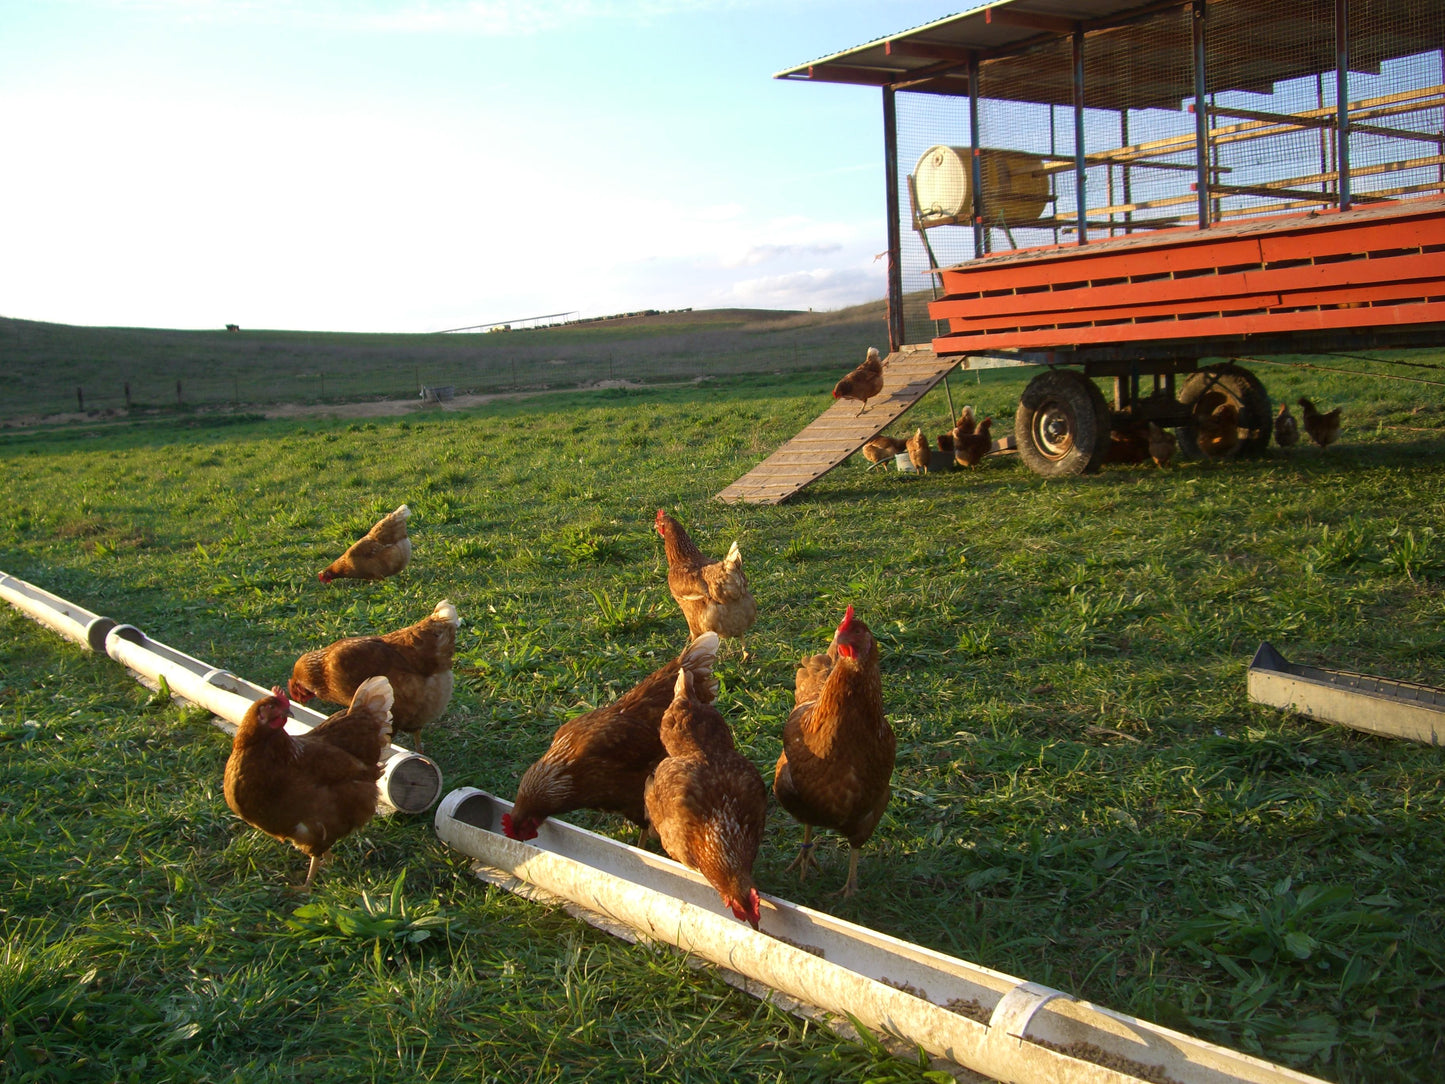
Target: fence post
[[178, 393], [127, 395], [80, 399]]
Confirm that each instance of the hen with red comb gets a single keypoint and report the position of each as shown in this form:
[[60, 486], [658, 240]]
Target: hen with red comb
[[838, 748]]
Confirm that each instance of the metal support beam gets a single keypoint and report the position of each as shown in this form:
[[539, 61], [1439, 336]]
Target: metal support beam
[[895, 237], [1201, 115], [975, 162], [1342, 98], [1080, 196]]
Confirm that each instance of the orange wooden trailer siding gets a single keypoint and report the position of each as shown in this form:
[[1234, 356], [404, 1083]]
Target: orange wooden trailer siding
[[1378, 265]]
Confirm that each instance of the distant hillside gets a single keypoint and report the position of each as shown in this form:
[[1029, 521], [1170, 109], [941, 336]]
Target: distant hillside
[[62, 370]]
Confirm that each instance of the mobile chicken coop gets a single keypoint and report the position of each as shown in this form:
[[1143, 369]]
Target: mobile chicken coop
[[1125, 190]]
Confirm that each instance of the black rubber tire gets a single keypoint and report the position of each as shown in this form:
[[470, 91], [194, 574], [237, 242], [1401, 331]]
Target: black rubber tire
[[1245, 391], [1062, 424]]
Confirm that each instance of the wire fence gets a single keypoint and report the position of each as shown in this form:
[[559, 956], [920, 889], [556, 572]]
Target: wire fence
[[57, 370]]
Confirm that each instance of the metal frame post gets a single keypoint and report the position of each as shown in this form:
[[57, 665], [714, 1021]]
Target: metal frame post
[[1201, 114], [895, 234], [1342, 98], [1080, 196], [975, 158]]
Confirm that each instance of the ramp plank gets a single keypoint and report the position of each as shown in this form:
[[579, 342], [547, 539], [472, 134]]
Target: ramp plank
[[908, 375]]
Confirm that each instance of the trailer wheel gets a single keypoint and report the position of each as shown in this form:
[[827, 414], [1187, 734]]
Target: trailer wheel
[[1062, 424], [1245, 391]]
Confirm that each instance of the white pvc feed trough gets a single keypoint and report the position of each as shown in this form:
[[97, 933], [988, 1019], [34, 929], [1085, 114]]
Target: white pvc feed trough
[[982, 1020], [410, 782]]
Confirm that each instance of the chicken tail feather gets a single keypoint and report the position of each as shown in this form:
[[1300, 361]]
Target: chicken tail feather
[[698, 660]]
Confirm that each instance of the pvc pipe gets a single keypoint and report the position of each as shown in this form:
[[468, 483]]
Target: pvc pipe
[[410, 782], [888, 985], [66, 618]]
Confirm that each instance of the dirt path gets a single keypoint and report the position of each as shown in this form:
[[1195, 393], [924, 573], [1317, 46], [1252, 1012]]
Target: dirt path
[[391, 408], [381, 408]]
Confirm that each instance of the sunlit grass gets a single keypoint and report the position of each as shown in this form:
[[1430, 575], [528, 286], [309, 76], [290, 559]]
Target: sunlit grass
[[1084, 796]]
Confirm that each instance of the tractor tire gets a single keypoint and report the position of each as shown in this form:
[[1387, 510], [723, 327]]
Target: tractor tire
[[1244, 390], [1062, 424]]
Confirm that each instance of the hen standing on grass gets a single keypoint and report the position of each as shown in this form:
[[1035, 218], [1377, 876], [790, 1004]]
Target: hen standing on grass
[[708, 801], [1162, 444], [1286, 429], [838, 748], [601, 759], [1216, 425], [882, 449], [383, 551], [417, 660], [713, 595], [1324, 429], [920, 451], [970, 448], [864, 382], [312, 790]]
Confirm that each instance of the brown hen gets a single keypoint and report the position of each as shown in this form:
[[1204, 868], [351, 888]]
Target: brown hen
[[1286, 429], [864, 382], [883, 449], [838, 748], [1324, 429], [601, 759], [1216, 425], [970, 448], [313, 789], [920, 451], [713, 595], [707, 801], [417, 660], [1162, 444], [383, 551]]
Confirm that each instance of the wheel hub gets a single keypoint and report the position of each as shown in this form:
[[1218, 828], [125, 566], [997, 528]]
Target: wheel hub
[[1054, 431]]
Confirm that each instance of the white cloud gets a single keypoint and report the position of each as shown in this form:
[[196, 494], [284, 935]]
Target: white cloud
[[761, 254], [818, 288]]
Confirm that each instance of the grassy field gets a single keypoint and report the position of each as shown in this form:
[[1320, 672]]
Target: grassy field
[[102, 373], [1084, 796]]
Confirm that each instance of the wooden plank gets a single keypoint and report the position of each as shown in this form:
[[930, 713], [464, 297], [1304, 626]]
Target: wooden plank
[[1193, 255], [1206, 327], [840, 431], [1086, 317], [1327, 237], [1078, 300], [1338, 240], [1055, 255], [1399, 292]]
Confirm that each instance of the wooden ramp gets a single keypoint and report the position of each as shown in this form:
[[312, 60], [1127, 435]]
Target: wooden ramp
[[908, 375]]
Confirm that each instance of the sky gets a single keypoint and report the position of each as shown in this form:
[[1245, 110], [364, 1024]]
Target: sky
[[420, 165]]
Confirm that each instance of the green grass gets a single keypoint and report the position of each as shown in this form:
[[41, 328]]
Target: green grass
[[139, 373], [1084, 797]]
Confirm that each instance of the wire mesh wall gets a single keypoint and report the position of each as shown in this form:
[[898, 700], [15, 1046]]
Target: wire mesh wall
[[1271, 121]]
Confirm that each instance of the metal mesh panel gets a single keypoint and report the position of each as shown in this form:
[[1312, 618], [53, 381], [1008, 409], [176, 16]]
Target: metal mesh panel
[[1267, 156], [1149, 143], [1397, 103], [926, 121], [1271, 86], [1014, 214]]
